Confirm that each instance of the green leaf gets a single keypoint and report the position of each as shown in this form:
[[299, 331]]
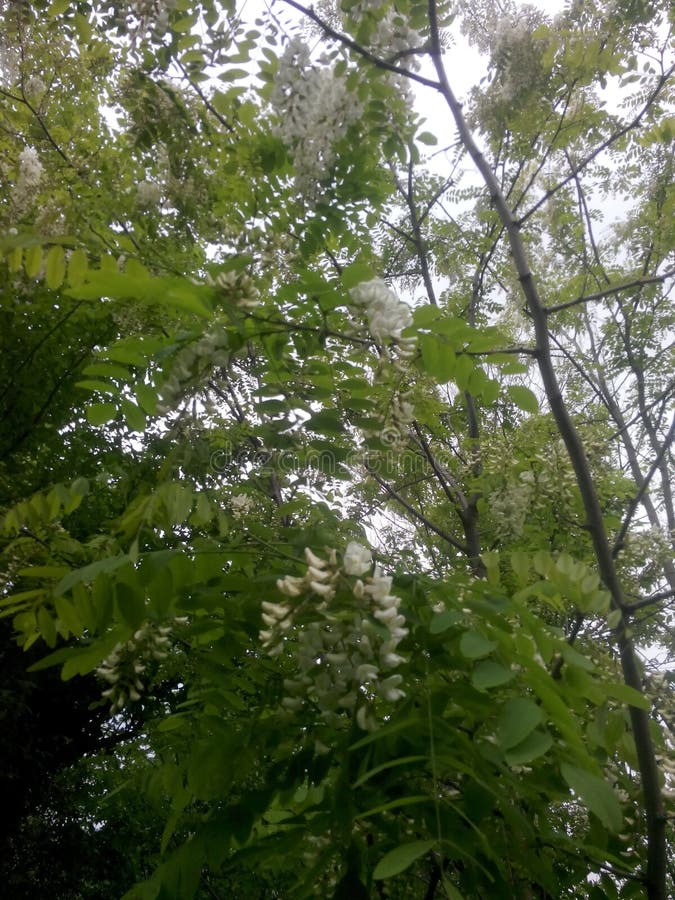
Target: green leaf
[[83, 661], [234, 75], [451, 891], [394, 804], [355, 274], [523, 397], [573, 658], [147, 398], [444, 620], [77, 267], [179, 293], [438, 358], [68, 615], [55, 267], [535, 745], [33, 261], [107, 369], [52, 659], [130, 604], [87, 574], [43, 571], [399, 859], [103, 387], [183, 24], [192, 56], [424, 316], [57, 7], [464, 367], [473, 645], [626, 694], [518, 718], [614, 618], [489, 674], [210, 771], [100, 413], [327, 421], [179, 502], [221, 103], [134, 416], [109, 264], [596, 793], [520, 563], [426, 137], [47, 626], [401, 761]]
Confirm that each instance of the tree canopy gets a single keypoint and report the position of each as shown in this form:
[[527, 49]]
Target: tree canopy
[[337, 516]]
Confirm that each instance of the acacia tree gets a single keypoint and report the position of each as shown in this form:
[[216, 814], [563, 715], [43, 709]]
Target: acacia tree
[[366, 583]]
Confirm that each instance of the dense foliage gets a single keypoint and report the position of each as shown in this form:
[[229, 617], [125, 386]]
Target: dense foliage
[[336, 450]]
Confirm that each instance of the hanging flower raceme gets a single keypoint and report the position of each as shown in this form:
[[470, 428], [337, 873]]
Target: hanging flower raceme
[[241, 506], [315, 109], [387, 315], [27, 184], [193, 366], [124, 669], [387, 318], [148, 195], [341, 628]]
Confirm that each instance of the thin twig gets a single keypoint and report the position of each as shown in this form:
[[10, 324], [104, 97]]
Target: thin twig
[[607, 292], [605, 145], [415, 512]]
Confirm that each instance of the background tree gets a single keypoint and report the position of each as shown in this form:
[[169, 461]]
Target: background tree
[[357, 589]]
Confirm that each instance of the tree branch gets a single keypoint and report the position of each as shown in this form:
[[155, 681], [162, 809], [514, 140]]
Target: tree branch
[[656, 838], [648, 601], [635, 502], [414, 512], [607, 292], [346, 41], [605, 145]]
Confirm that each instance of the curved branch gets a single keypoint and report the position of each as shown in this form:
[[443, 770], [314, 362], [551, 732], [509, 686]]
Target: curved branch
[[346, 41]]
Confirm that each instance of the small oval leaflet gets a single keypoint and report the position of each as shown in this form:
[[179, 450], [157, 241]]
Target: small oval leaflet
[[400, 858]]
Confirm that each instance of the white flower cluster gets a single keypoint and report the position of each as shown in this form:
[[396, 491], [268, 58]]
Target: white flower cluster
[[643, 555], [396, 421], [387, 315], [192, 366], [124, 667], [239, 288], [241, 505], [516, 53], [10, 57], [28, 182], [314, 109], [391, 35], [153, 16], [342, 635], [509, 506], [34, 88], [148, 195], [392, 39]]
